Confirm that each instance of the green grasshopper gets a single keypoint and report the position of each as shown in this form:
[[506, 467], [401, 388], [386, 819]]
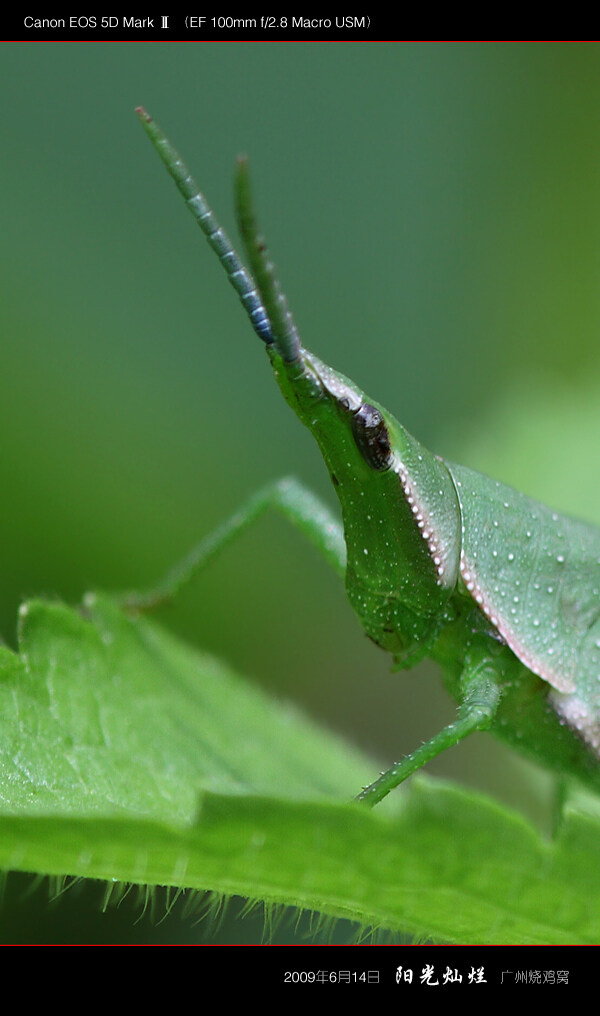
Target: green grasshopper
[[438, 560]]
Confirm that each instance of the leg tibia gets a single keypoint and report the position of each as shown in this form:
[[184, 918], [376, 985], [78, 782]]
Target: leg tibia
[[295, 502], [482, 694]]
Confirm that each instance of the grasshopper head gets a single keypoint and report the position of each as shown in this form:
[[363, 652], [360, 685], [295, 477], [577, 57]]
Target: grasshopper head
[[399, 506], [400, 510]]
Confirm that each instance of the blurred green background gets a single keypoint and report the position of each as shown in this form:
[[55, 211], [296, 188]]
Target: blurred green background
[[433, 212]]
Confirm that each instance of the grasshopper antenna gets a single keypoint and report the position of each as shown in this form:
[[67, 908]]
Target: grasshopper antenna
[[239, 277], [262, 299], [263, 269]]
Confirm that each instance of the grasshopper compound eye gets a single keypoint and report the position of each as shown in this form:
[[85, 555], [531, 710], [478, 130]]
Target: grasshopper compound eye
[[371, 436]]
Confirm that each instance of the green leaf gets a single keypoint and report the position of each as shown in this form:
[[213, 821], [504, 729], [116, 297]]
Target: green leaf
[[127, 755]]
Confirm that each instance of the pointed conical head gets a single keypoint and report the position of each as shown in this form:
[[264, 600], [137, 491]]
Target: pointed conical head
[[400, 510]]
